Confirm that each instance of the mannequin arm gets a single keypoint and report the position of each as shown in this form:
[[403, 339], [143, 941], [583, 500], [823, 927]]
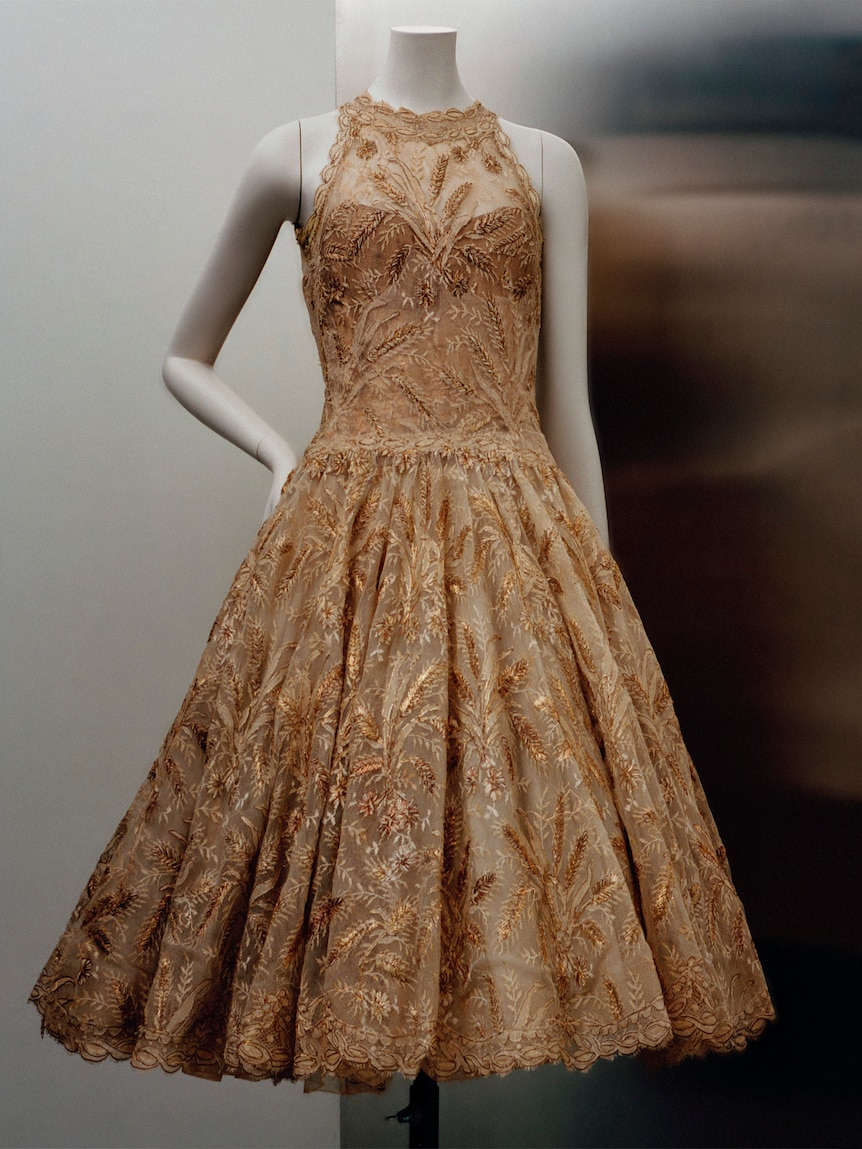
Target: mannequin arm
[[267, 196], [563, 393]]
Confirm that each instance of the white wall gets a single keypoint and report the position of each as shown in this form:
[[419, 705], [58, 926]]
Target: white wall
[[125, 127]]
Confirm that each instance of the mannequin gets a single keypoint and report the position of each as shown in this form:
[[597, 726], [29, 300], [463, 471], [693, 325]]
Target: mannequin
[[426, 804], [420, 73]]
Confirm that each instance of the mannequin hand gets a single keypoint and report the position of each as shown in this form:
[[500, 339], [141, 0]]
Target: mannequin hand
[[279, 478], [280, 457]]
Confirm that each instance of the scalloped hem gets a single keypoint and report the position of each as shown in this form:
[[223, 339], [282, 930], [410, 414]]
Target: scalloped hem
[[324, 1063]]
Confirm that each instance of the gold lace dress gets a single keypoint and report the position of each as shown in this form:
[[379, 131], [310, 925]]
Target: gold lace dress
[[426, 803]]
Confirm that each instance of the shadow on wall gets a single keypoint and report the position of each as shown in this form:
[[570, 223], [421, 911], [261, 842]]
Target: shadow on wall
[[799, 84], [726, 283], [795, 1086]]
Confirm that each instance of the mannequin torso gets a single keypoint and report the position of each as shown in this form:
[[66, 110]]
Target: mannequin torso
[[279, 186]]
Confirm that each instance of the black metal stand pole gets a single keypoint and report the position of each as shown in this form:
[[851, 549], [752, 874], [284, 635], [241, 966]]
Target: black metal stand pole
[[422, 1113], [425, 1103]]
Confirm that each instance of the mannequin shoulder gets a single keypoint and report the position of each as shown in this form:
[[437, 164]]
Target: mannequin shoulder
[[318, 131], [273, 168], [551, 162], [560, 154], [564, 187], [280, 160], [279, 154]]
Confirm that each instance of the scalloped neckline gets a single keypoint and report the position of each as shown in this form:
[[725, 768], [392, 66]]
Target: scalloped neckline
[[365, 98]]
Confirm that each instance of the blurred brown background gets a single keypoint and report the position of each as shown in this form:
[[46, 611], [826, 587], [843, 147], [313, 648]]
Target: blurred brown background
[[726, 304], [724, 173]]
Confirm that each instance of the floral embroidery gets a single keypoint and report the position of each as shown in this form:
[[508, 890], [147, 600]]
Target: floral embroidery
[[426, 803]]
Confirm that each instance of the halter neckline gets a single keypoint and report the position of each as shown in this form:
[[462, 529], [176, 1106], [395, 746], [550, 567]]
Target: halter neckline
[[447, 115]]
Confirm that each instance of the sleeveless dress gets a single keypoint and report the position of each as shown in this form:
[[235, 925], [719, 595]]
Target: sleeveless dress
[[426, 804]]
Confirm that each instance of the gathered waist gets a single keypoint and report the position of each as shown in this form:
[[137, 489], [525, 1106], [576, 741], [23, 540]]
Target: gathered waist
[[325, 453]]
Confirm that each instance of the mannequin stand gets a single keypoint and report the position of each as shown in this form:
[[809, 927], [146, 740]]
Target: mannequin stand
[[422, 1113]]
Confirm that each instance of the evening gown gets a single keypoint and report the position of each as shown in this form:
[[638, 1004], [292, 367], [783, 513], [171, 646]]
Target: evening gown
[[426, 804]]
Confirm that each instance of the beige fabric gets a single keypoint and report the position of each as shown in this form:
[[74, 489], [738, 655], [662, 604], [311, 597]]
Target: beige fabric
[[426, 804]]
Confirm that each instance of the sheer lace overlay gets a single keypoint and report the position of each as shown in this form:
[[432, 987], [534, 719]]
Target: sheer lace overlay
[[426, 804]]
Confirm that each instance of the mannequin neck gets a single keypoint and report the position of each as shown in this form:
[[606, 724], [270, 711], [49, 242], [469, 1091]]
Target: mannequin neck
[[420, 72]]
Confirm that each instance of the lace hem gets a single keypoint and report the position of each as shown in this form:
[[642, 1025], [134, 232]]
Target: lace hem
[[348, 1059]]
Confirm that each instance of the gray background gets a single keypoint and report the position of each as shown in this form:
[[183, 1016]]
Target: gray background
[[125, 128]]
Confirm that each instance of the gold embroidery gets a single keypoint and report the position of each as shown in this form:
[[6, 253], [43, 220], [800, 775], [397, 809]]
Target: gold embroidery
[[426, 803]]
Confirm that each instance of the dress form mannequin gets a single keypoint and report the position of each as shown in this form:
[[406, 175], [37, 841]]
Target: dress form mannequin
[[426, 804], [420, 73]]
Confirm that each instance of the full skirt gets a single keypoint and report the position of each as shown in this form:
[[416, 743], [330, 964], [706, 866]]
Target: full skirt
[[425, 806]]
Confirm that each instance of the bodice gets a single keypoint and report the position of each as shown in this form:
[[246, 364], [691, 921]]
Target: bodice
[[422, 277]]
